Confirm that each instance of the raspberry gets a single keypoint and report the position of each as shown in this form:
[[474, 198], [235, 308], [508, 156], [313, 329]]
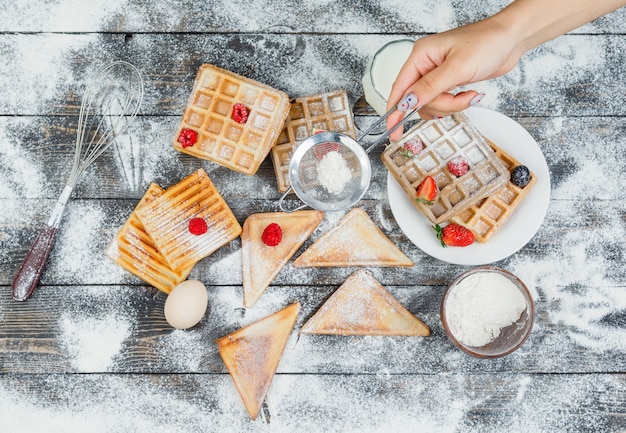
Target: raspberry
[[187, 137], [412, 148], [198, 226], [240, 113], [272, 235], [458, 166], [320, 150]]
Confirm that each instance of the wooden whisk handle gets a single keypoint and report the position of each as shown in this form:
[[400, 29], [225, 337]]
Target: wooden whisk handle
[[27, 277]]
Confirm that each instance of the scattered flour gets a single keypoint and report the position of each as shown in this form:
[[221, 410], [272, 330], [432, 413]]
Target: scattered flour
[[93, 343]]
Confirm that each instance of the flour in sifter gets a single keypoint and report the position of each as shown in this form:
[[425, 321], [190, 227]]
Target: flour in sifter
[[333, 172]]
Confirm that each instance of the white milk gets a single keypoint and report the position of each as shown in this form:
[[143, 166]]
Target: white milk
[[382, 71]]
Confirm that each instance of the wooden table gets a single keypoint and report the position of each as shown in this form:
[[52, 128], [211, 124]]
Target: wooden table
[[91, 351]]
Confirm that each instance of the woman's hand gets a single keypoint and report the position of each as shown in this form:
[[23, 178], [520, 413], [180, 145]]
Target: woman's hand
[[440, 63]]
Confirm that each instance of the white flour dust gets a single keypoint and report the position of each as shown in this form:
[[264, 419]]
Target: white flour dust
[[93, 343]]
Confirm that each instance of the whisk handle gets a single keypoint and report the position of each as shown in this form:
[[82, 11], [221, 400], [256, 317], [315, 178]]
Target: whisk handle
[[27, 277]]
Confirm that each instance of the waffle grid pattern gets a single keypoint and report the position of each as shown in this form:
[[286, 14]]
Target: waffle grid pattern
[[328, 111], [443, 140], [239, 146]]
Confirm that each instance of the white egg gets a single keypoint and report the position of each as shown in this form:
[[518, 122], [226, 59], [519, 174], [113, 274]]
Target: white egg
[[186, 304]]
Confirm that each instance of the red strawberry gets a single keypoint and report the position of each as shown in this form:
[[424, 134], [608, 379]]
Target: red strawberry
[[458, 166], [240, 113], [187, 137], [454, 235], [427, 191], [272, 235]]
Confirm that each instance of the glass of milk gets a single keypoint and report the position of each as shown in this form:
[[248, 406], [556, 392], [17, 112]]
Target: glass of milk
[[382, 71]]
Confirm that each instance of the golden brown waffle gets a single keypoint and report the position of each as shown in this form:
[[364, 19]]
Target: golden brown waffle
[[329, 111], [241, 147], [252, 354], [134, 250], [489, 215], [355, 241], [443, 140], [362, 306], [166, 219], [261, 263]]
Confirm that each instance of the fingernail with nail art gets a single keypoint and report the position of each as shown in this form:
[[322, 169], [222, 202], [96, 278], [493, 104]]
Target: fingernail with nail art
[[408, 102], [476, 99]]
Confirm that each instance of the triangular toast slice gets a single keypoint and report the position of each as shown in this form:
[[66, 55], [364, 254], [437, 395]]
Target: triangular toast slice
[[362, 306], [355, 241], [261, 263], [252, 353]]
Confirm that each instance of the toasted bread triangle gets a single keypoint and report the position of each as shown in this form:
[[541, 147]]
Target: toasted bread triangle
[[252, 353], [362, 306], [355, 241], [261, 263]]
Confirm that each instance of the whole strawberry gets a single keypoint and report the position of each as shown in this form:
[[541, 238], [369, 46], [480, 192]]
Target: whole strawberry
[[454, 235], [426, 191], [458, 166]]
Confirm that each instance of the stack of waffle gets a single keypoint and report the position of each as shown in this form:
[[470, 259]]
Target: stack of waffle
[[481, 199], [156, 243]]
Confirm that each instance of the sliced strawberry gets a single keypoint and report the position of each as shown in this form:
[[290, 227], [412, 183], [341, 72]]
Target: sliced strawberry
[[427, 191], [454, 235]]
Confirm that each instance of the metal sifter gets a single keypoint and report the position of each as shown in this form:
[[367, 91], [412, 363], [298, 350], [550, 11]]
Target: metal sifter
[[307, 156]]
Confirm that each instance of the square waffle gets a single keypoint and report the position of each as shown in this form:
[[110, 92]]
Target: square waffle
[[488, 216], [329, 111], [134, 250], [444, 139], [167, 221], [239, 146]]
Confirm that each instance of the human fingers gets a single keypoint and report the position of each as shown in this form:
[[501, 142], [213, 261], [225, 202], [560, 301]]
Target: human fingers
[[443, 105]]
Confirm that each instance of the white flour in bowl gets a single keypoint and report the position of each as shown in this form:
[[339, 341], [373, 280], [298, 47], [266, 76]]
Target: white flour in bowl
[[480, 305]]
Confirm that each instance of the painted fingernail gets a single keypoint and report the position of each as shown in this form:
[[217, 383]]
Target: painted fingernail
[[476, 99], [408, 102]]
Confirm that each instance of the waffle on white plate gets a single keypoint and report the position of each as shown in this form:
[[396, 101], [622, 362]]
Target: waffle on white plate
[[134, 250], [261, 262], [362, 306], [209, 129], [170, 220], [486, 217], [328, 111], [444, 140], [252, 354], [355, 241]]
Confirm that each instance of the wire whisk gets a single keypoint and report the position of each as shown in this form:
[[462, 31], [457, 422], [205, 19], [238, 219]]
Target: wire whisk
[[110, 102]]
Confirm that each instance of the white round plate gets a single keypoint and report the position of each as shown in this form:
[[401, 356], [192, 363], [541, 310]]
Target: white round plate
[[521, 226]]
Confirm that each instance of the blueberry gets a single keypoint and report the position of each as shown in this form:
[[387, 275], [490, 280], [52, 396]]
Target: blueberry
[[520, 176]]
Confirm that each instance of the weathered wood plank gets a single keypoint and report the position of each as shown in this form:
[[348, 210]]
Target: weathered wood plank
[[36, 154], [333, 403], [221, 16], [122, 329], [576, 75]]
